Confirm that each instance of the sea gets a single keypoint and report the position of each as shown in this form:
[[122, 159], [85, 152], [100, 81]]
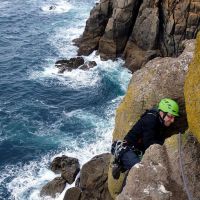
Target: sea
[[44, 114]]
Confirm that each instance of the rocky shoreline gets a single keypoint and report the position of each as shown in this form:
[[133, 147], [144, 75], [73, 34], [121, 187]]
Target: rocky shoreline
[[151, 37], [139, 30]]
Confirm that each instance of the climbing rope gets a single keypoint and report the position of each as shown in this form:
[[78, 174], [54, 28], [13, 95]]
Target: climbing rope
[[181, 168]]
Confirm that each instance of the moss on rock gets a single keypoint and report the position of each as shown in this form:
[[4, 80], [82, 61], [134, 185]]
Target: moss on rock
[[192, 92]]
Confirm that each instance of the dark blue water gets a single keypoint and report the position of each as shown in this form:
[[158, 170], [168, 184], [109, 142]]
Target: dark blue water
[[44, 114]]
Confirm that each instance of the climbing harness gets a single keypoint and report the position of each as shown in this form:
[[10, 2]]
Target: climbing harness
[[185, 181], [118, 148]]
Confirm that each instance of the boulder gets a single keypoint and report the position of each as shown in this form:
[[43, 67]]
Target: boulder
[[73, 193], [67, 166], [74, 63], [159, 78], [159, 174], [69, 65], [57, 185], [56, 164], [192, 92], [93, 179]]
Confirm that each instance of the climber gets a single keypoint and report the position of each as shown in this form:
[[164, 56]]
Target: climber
[[147, 131]]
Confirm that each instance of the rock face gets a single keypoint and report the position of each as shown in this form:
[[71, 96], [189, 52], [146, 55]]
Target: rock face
[[57, 185], [95, 27], [158, 176], [67, 166], [118, 28], [93, 180], [159, 78], [73, 194], [192, 92], [139, 30]]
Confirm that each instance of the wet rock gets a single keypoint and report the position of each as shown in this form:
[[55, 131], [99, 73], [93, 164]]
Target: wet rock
[[52, 7], [69, 169], [73, 194], [57, 185], [56, 165], [69, 65], [88, 65], [67, 166], [74, 63]]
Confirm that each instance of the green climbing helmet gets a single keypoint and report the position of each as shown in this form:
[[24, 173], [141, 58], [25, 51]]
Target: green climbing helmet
[[169, 106]]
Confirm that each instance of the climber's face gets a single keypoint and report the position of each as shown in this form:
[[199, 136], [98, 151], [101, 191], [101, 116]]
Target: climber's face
[[168, 118]]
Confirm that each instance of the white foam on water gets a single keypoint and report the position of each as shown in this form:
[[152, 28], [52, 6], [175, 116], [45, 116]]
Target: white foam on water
[[62, 40], [78, 78], [75, 79], [60, 6], [29, 179]]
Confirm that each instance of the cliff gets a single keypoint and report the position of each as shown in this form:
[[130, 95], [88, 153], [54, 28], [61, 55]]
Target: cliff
[[159, 78], [192, 92], [160, 176], [139, 30], [167, 172]]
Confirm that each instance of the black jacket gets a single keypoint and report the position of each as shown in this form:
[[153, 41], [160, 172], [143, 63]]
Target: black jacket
[[147, 131]]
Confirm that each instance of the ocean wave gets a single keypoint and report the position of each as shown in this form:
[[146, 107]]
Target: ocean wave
[[62, 41], [44, 115], [78, 78], [27, 180]]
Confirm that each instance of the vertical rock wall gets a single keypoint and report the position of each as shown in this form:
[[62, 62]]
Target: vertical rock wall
[[140, 30], [159, 78], [192, 92]]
